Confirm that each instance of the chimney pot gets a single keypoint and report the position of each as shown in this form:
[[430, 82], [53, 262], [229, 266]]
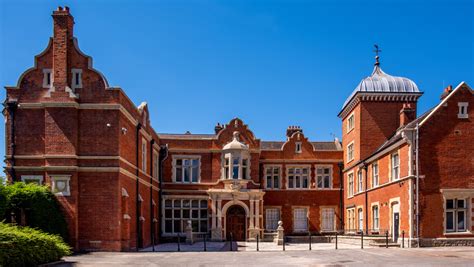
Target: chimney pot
[[407, 114], [446, 91]]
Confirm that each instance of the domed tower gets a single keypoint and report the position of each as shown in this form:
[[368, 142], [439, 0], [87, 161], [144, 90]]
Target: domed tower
[[377, 107]]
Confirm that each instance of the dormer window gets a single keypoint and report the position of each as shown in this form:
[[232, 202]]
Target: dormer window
[[76, 78], [298, 147], [235, 162], [46, 78], [463, 114]]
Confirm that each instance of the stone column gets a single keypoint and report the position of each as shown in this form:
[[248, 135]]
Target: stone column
[[252, 201], [280, 233], [189, 232], [257, 214], [213, 210]]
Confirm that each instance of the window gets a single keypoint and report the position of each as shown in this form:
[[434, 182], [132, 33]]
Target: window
[[327, 221], [46, 78], [272, 216], [272, 177], [298, 177], [298, 147], [36, 179], [179, 211], [300, 220], [360, 215], [350, 184], [350, 226], [186, 169], [395, 166], [375, 217], [60, 185], [350, 122], [156, 164], [456, 213], [375, 175], [76, 78], [350, 152], [324, 177], [463, 114], [360, 182], [236, 166], [143, 154]]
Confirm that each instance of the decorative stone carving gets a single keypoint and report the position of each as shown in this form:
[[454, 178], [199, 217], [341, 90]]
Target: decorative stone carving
[[189, 233], [280, 233]]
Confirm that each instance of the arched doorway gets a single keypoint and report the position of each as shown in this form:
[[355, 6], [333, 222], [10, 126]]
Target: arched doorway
[[235, 223]]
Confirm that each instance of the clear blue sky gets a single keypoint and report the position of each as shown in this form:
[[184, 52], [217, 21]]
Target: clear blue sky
[[271, 63]]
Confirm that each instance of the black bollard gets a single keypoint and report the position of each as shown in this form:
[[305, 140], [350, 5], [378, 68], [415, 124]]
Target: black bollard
[[205, 239], [403, 239], [179, 244], [336, 240], [362, 240], [258, 239], [284, 237], [309, 241], [386, 239], [231, 249]]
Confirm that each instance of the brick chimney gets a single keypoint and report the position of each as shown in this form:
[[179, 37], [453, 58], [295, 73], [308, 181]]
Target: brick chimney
[[446, 91], [407, 114], [293, 129], [218, 128], [62, 40]]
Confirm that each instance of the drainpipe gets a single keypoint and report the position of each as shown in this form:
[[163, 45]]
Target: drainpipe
[[341, 195], [137, 173], [417, 186], [12, 106], [152, 229], [365, 167], [163, 157]]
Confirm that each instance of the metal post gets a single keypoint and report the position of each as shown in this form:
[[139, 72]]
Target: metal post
[[362, 240], [386, 239], [284, 238], [336, 240], [231, 249], [205, 239], [179, 244], [403, 239], [309, 241], [258, 238]]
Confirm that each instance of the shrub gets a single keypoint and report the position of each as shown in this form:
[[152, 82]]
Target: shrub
[[38, 205], [24, 246]]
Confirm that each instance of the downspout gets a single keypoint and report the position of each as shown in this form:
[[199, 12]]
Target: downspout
[[341, 195], [417, 186], [366, 200], [152, 229], [12, 107], [163, 156], [137, 173]]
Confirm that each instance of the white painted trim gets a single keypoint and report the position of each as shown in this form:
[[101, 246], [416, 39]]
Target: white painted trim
[[74, 83], [173, 168], [349, 129], [280, 178], [331, 176], [287, 176], [38, 178], [353, 151], [463, 105]]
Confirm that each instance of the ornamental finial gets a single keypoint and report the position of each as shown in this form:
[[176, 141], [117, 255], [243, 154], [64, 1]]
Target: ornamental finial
[[377, 51]]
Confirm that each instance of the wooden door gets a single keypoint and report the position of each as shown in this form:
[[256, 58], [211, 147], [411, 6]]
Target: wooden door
[[235, 223]]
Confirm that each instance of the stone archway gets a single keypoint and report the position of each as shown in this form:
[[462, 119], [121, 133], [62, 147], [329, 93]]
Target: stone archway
[[236, 223]]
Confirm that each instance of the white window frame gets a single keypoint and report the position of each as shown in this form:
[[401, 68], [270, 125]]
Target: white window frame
[[455, 211], [375, 219], [360, 181], [47, 75], [350, 225], [375, 174], [350, 184], [272, 176], [191, 168], [55, 179], [324, 211], [350, 151], [179, 208], [360, 219], [76, 73], [38, 178], [395, 169], [295, 211], [156, 164], [228, 170], [463, 112], [272, 217], [350, 122], [144, 155], [298, 147], [300, 175], [322, 176]]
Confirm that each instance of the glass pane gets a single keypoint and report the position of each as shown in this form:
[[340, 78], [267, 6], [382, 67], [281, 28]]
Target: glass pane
[[168, 213], [305, 171], [276, 183], [320, 171], [177, 214], [236, 160], [179, 174], [185, 214], [203, 203], [320, 182], [461, 222], [186, 175], [195, 174], [292, 170], [461, 204], [195, 162], [226, 172], [326, 182], [177, 203], [449, 221], [269, 171], [235, 172], [244, 173], [244, 162], [290, 182], [177, 226], [227, 161], [195, 203], [297, 171], [203, 214], [305, 182], [450, 203], [269, 182], [186, 203], [168, 203], [186, 162], [195, 225], [326, 170], [169, 226], [297, 182], [195, 214], [276, 170], [203, 226], [179, 162]]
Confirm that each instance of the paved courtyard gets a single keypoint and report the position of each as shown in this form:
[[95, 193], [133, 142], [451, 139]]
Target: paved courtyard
[[320, 255]]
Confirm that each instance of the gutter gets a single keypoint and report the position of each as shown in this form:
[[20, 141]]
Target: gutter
[[12, 106], [137, 173], [152, 229], [162, 157], [366, 201], [417, 185], [341, 195]]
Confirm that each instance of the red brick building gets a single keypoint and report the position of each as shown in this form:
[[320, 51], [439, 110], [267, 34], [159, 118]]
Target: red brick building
[[122, 186], [388, 152]]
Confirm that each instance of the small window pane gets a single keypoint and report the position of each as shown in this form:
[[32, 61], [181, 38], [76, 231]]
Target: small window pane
[[203, 204], [179, 174], [450, 221], [186, 214], [276, 184], [168, 213], [450, 204], [177, 226], [203, 214], [186, 203], [168, 203], [169, 226], [195, 214], [269, 182], [461, 223], [177, 214], [461, 204]]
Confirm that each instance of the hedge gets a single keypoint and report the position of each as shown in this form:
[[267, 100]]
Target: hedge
[[38, 204], [24, 246]]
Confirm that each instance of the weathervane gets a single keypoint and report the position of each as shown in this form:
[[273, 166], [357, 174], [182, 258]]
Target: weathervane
[[377, 51]]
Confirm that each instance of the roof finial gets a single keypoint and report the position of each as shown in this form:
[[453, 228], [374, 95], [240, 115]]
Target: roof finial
[[377, 51]]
